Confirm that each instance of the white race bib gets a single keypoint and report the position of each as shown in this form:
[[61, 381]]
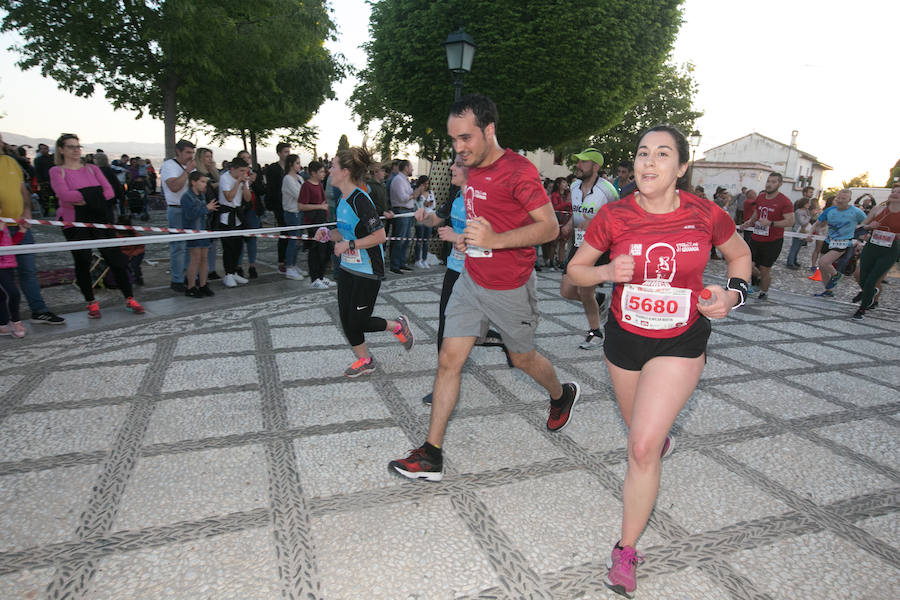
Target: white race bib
[[579, 237], [760, 229], [351, 257], [478, 252], [457, 255], [654, 307], [838, 244], [883, 238]]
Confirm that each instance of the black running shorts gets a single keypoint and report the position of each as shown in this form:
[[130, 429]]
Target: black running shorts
[[765, 254], [631, 351]]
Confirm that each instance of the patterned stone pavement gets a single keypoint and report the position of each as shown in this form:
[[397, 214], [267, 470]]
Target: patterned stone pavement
[[221, 455]]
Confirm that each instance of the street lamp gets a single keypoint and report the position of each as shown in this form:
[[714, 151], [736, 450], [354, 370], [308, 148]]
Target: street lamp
[[460, 49], [694, 141]]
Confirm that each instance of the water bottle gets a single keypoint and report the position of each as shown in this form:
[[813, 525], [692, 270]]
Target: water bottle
[[707, 297]]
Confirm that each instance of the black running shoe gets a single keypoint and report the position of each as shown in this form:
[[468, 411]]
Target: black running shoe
[[419, 465], [560, 414]]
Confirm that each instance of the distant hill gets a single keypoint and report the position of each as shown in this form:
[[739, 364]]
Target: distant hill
[[155, 152]]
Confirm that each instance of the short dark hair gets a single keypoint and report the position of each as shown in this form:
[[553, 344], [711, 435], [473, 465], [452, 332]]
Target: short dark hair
[[315, 166], [626, 163], [182, 144], [281, 146], [778, 175], [809, 187], [482, 107], [402, 164], [237, 162], [195, 176]]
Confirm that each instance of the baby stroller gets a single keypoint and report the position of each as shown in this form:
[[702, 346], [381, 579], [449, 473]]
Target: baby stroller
[[136, 202]]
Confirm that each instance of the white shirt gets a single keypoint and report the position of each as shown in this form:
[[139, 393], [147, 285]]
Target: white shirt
[[290, 192], [226, 184], [171, 168], [424, 199]]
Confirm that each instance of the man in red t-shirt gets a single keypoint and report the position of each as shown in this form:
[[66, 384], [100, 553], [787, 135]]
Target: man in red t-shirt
[[507, 213], [772, 212]]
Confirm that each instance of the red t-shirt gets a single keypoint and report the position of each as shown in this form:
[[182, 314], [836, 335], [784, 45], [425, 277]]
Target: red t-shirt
[[504, 193], [772, 209], [669, 250], [312, 193]]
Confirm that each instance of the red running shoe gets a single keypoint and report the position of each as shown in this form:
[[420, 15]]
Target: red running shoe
[[131, 305], [419, 465], [93, 310], [559, 415]]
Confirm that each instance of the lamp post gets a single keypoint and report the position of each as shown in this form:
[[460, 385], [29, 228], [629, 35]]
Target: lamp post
[[694, 141], [460, 49]]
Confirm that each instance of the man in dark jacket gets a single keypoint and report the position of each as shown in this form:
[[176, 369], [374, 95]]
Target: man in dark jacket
[[274, 175]]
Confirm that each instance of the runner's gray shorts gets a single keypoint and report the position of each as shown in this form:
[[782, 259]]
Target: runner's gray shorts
[[514, 313]]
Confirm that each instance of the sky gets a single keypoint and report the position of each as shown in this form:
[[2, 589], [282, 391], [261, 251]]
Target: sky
[[822, 68]]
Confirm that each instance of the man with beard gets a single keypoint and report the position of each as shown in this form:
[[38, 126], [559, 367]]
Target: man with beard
[[589, 193], [773, 212]]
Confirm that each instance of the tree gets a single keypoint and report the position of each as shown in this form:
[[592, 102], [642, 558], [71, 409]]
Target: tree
[[858, 181], [343, 143], [894, 176], [558, 71], [670, 100], [175, 58]]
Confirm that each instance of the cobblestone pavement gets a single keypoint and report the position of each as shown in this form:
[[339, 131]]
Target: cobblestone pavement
[[215, 451]]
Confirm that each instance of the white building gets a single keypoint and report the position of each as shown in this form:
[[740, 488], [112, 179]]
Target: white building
[[747, 161]]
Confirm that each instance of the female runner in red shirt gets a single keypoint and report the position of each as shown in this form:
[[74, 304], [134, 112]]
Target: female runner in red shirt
[[659, 239]]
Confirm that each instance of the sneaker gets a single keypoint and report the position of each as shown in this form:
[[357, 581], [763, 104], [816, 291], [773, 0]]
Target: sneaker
[[178, 286], [93, 309], [419, 465], [16, 329], [131, 305], [825, 294], [427, 399], [193, 292], [668, 446], [396, 270], [229, 281], [213, 275], [560, 415], [240, 271], [5, 330], [47, 318], [859, 314], [874, 303], [622, 566], [293, 273], [206, 292], [763, 296], [592, 340], [281, 268], [318, 284], [857, 298], [360, 367], [812, 269], [751, 290], [405, 335], [328, 282], [793, 267], [238, 278], [252, 273], [833, 281], [405, 268]]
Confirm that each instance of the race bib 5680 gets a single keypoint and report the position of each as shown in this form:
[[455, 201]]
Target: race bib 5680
[[655, 308]]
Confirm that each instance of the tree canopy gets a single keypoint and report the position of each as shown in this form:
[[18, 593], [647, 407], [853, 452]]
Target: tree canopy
[[894, 176], [670, 101], [256, 65], [558, 71]]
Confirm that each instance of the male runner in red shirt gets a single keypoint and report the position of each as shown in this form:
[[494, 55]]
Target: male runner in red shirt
[[772, 213], [507, 213]]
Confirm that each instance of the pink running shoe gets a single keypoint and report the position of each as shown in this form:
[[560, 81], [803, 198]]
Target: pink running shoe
[[622, 566]]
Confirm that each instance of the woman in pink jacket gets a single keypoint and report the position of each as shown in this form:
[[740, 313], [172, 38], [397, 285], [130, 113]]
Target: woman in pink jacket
[[10, 323], [84, 195]]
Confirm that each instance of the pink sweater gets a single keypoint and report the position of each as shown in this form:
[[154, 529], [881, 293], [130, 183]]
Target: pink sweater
[[67, 182], [8, 261]]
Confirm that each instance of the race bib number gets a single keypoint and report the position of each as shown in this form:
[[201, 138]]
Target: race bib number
[[351, 257], [579, 237], [655, 308], [838, 244], [760, 229], [478, 252], [883, 238], [457, 254]]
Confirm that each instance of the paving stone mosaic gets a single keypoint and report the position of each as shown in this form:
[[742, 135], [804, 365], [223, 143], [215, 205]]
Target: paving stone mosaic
[[223, 455]]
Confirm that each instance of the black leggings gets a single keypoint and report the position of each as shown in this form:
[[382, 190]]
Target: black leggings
[[231, 250], [9, 296], [450, 277], [356, 302], [318, 255], [114, 258]]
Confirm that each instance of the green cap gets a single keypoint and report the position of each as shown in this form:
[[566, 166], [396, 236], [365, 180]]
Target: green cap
[[591, 154]]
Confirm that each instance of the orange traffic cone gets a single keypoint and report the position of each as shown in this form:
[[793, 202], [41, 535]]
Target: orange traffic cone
[[817, 276]]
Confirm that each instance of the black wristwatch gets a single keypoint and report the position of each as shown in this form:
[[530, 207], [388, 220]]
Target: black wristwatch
[[736, 284], [353, 247]]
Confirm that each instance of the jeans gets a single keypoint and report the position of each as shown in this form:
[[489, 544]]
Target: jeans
[[796, 244], [293, 246], [251, 221], [28, 275], [177, 250], [423, 234], [399, 248]]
